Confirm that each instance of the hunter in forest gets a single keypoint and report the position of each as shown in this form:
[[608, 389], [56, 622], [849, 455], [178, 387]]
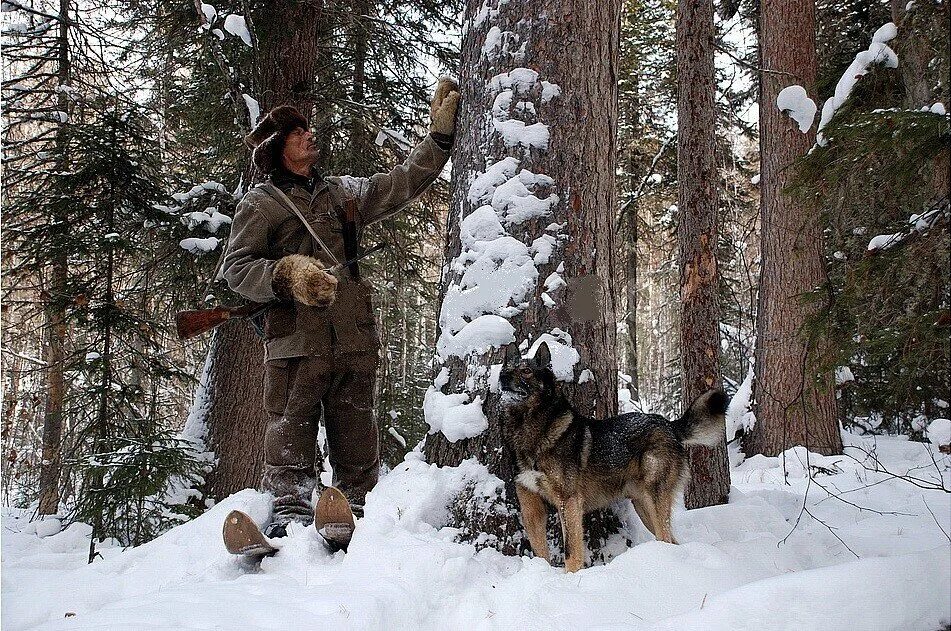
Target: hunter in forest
[[321, 336]]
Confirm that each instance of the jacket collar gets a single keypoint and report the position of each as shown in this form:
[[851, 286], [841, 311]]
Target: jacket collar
[[286, 181]]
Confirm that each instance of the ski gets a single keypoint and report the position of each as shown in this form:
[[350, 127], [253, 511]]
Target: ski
[[334, 519], [243, 537]]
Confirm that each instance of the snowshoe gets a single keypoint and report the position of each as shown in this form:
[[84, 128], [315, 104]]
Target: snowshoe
[[334, 519]]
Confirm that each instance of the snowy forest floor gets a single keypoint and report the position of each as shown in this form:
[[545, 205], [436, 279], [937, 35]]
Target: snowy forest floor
[[876, 555]]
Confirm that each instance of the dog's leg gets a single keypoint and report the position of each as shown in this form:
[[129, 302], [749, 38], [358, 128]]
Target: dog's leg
[[657, 521], [657, 501], [571, 513], [665, 503], [534, 518], [642, 513]]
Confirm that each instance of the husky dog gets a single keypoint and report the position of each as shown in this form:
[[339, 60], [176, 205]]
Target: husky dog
[[579, 464]]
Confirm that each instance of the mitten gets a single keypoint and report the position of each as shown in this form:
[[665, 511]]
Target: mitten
[[442, 111], [304, 279]]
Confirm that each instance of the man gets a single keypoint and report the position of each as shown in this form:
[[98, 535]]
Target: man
[[320, 336]]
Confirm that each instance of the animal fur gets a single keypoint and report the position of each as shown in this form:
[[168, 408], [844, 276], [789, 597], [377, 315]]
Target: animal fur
[[579, 464], [303, 278]]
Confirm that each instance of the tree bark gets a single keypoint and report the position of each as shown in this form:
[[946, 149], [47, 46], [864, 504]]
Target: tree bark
[[794, 402], [577, 100], [697, 238], [285, 70]]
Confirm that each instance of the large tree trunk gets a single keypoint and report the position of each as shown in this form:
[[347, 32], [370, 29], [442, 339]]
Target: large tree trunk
[[56, 307], [795, 404], [286, 58], [577, 100], [697, 238]]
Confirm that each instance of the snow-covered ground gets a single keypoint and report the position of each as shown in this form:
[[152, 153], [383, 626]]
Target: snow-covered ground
[[880, 560]]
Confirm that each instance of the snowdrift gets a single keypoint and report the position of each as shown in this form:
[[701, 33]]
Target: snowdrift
[[784, 554]]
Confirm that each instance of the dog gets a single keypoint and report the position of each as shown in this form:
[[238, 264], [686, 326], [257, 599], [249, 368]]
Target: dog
[[580, 464]]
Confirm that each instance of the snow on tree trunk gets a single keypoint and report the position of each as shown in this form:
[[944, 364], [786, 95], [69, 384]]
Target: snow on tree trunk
[[530, 248], [794, 404], [697, 238], [285, 66]]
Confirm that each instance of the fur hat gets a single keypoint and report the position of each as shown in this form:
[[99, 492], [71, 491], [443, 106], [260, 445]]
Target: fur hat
[[267, 137]]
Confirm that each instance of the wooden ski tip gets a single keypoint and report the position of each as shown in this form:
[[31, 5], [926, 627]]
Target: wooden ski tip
[[332, 508], [242, 536]]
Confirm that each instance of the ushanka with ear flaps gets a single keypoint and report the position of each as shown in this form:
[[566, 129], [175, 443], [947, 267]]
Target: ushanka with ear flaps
[[267, 137]]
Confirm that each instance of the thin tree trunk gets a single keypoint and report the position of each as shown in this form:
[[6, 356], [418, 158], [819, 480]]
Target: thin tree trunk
[[577, 101], [51, 464], [795, 403], [697, 238]]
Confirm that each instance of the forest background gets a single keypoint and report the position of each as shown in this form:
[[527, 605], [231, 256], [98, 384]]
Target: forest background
[[123, 162]]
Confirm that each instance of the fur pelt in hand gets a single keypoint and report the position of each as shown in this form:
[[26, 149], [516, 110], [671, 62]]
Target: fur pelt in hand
[[304, 279]]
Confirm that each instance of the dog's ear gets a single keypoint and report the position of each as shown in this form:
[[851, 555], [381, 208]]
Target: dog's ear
[[543, 355], [512, 354]]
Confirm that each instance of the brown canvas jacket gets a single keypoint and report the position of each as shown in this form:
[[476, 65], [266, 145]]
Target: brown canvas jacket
[[264, 230]]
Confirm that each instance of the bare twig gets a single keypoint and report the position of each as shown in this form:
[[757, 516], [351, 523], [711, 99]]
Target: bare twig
[[937, 523]]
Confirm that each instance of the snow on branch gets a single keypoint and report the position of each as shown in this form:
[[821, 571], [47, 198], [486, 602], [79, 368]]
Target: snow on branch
[[878, 53]]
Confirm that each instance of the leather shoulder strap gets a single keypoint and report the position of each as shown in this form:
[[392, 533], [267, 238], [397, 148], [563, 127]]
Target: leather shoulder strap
[[285, 201]]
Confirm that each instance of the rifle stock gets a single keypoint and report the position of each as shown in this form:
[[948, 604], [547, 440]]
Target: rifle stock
[[189, 324]]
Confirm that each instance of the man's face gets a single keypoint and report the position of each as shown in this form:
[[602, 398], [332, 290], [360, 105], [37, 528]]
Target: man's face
[[299, 148]]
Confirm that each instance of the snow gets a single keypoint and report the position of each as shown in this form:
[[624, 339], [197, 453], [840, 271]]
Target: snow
[[885, 33], [498, 42], [884, 241], [495, 274], [236, 25], [739, 413], [878, 52], [484, 185], [542, 247], [744, 566], [398, 139], [209, 219], [939, 432], [396, 436], [516, 133], [515, 202], [625, 401], [254, 109], [199, 246], [563, 355], [938, 108], [48, 526], [794, 101], [480, 335], [196, 191], [755, 179], [209, 12], [843, 375], [454, 414]]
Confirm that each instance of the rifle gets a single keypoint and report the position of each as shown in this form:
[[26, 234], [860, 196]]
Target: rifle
[[188, 324]]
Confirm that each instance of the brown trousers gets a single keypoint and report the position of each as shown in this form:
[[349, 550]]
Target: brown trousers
[[297, 392]]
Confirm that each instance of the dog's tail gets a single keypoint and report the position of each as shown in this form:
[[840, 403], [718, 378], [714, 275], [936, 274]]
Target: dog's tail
[[703, 422]]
